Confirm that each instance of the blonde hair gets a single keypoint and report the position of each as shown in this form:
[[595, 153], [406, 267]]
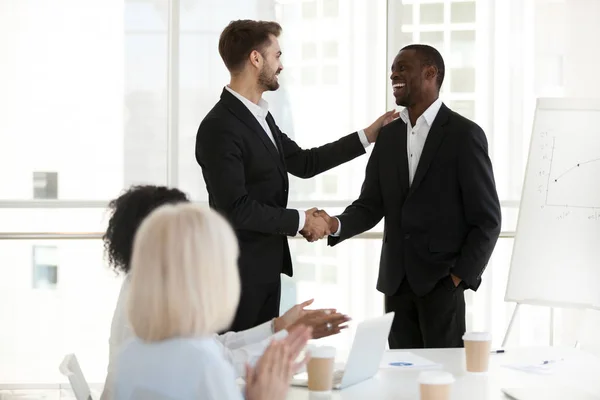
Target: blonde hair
[[184, 276]]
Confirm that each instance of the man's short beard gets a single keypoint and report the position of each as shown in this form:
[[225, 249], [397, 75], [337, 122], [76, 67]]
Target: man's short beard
[[266, 80]]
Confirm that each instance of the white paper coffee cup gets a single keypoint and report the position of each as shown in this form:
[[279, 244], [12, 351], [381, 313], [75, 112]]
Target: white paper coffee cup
[[477, 336], [477, 350], [320, 368], [435, 385], [322, 351]]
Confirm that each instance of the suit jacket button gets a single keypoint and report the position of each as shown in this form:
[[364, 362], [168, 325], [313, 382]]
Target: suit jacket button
[[407, 236]]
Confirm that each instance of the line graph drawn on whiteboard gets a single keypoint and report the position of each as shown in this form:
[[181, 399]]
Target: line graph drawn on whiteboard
[[555, 252], [571, 176]]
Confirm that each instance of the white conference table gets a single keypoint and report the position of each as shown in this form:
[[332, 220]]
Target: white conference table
[[579, 372]]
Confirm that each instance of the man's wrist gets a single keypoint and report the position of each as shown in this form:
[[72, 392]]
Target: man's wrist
[[369, 134], [301, 219], [364, 139], [334, 226], [277, 324]]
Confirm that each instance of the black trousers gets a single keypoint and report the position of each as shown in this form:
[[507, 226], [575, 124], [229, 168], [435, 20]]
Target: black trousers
[[259, 303], [436, 320]]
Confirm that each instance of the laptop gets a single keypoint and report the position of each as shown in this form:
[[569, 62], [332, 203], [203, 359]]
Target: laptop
[[547, 393], [365, 356]]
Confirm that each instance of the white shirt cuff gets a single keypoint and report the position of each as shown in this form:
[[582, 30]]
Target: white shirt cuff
[[363, 138], [339, 229], [301, 220]]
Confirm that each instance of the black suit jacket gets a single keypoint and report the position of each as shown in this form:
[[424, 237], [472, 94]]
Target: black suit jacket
[[246, 178], [447, 221]]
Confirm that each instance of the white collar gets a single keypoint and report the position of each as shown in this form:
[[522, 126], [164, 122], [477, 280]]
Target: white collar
[[428, 115], [258, 110]]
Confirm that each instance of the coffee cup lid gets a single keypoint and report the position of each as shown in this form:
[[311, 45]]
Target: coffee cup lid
[[436, 378], [477, 336], [322, 351]]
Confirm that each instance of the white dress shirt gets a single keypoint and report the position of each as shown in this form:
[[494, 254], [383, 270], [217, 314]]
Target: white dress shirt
[[238, 348], [178, 368], [417, 135], [260, 112], [415, 140]]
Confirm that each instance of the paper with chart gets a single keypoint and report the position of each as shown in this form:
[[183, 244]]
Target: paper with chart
[[556, 255], [406, 360]]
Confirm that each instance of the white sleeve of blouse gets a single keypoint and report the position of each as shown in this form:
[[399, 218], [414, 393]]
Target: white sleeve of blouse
[[235, 340], [248, 354], [120, 333]]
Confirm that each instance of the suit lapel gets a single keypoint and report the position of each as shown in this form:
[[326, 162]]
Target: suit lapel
[[432, 143], [275, 132], [243, 114], [402, 159]]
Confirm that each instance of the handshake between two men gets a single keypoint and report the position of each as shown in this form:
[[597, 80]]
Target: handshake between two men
[[318, 224]]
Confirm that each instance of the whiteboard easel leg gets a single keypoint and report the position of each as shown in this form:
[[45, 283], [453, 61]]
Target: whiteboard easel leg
[[581, 329], [510, 324], [552, 326]]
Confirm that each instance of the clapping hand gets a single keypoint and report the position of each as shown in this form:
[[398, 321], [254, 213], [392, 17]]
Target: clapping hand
[[324, 322], [270, 378]]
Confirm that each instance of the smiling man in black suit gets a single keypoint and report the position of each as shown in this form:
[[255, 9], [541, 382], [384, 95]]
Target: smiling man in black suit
[[431, 178], [245, 159]]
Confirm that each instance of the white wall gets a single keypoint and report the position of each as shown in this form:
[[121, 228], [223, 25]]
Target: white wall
[[562, 37], [582, 55], [581, 66]]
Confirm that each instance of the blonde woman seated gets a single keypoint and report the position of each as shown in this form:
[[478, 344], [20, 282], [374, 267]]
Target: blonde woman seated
[[127, 213], [185, 287]]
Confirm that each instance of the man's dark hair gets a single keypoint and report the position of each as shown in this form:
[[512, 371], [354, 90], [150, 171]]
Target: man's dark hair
[[128, 212], [241, 37], [429, 56]]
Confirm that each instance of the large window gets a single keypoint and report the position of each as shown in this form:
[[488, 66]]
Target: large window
[[99, 95]]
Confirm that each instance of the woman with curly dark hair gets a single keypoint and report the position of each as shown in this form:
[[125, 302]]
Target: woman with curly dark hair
[[128, 211]]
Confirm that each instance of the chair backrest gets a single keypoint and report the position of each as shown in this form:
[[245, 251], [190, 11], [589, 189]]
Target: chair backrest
[[69, 367]]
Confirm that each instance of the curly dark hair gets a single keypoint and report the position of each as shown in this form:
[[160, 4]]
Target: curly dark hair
[[128, 212]]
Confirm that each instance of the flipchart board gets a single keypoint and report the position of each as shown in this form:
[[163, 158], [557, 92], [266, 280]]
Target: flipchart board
[[556, 254]]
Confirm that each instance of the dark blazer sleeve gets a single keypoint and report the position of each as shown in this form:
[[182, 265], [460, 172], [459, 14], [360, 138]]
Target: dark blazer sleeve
[[308, 163], [365, 212], [481, 206], [219, 153]]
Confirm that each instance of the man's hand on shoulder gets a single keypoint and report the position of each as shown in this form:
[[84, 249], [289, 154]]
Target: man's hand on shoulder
[[373, 130]]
